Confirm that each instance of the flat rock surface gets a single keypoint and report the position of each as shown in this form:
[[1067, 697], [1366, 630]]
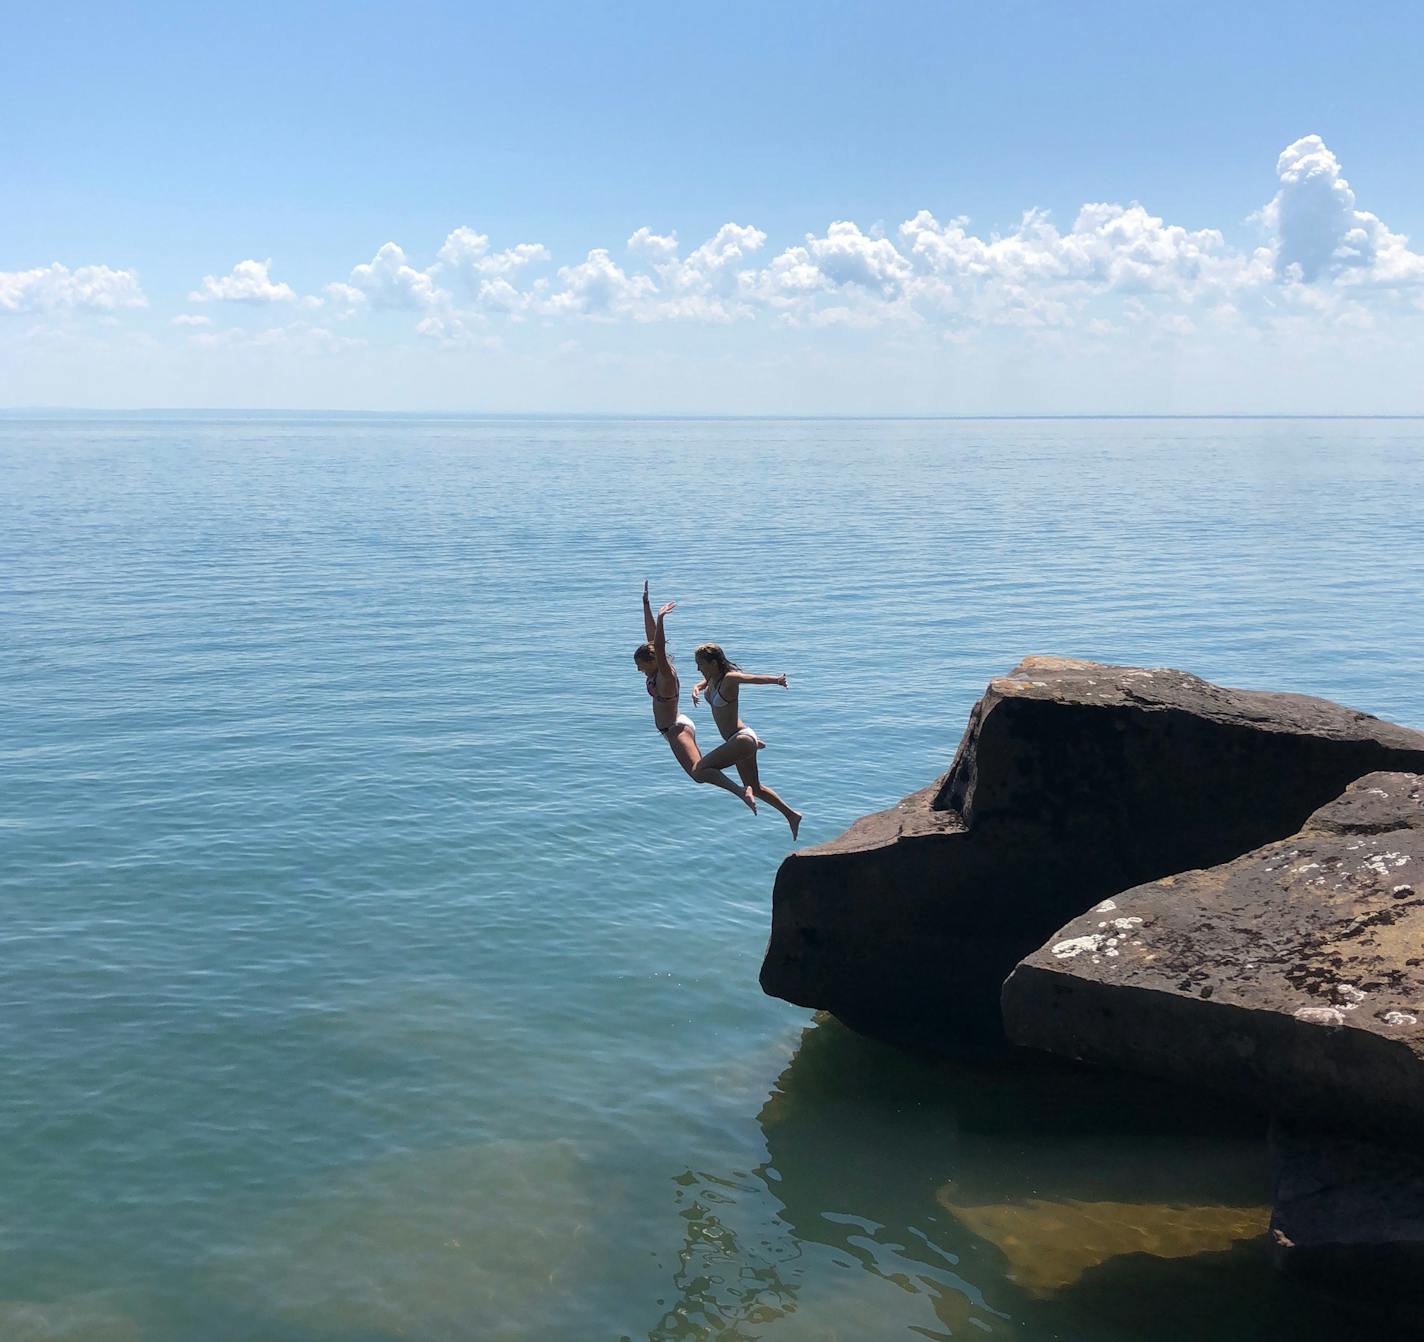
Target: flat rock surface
[[986, 779], [1074, 780], [1293, 974]]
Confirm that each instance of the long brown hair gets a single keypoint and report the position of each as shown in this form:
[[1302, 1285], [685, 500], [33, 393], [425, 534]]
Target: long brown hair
[[712, 652]]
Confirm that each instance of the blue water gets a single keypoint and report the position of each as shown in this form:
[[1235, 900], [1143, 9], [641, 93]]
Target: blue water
[[370, 970]]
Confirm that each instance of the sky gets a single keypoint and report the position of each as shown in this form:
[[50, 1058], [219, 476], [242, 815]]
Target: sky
[[775, 208]]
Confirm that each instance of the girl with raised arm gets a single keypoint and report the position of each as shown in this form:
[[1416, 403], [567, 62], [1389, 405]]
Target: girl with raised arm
[[722, 680], [651, 658]]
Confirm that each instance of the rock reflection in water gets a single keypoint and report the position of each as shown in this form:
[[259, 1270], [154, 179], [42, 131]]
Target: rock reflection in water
[[915, 1197]]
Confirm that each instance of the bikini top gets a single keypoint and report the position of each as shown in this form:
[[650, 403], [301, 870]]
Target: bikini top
[[652, 682], [715, 699]]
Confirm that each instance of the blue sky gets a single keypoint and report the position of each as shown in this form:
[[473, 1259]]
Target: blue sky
[[197, 198]]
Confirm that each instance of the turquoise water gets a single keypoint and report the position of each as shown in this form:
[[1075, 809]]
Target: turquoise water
[[370, 971]]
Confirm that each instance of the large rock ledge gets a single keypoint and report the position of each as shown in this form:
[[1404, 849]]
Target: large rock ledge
[[1293, 975], [1074, 781]]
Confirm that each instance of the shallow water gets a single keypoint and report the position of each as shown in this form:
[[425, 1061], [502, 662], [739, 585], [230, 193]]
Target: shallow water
[[371, 972]]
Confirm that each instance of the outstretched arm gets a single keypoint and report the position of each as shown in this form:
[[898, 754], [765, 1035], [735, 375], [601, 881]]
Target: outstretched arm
[[746, 678], [649, 628], [660, 640]]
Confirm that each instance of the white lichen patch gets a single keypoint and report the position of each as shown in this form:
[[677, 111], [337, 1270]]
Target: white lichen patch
[[1400, 1018], [1066, 950], [1320, 1015], [1349, 996], [1107, 906], [1382, 863], [1122, 924], [1376, 792]]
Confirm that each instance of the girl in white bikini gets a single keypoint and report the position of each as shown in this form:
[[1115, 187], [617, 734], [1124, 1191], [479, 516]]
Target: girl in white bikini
[[721, 680], [664, 688]]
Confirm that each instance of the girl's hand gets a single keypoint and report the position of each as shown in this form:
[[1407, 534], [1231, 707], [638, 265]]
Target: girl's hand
[[645, 589], [696, 695], [781, 680], [663, 610]]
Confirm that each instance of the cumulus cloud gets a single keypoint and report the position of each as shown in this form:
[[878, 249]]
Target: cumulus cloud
[[653, 246], [249, 282], [346, 299], [848, 256], [1115, 270], [389, 281], [57, 288], [1319, 232], [467, 253], [598, 287], [713, 266], [705, 285]]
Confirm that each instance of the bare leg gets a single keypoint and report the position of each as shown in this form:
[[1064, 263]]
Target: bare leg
[[684, 747], [736, 750], [747, 770]]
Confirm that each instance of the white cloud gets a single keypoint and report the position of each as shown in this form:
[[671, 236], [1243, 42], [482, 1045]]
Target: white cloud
[[1319, 232], [598, 287], [467, 252], [345, 298], [389, 282], [848, 256], [191, 319], [249, 282], [654, 246], [713, 266], [445, 329], [91, 288], [1118, 270], [705, 286], [500, 295]]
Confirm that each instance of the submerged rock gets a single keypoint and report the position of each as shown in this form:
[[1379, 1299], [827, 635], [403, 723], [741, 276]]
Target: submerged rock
[[1048, 1246], [1074, 781], [1292, 976]]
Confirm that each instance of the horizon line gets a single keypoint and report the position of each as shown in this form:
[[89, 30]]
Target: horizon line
[[47, 411]]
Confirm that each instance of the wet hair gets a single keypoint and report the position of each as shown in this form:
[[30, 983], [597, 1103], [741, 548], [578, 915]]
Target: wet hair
[[644, 653], [712, 652]]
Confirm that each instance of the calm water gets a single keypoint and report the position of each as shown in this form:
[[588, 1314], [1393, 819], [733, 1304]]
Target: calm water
[[371, 972]]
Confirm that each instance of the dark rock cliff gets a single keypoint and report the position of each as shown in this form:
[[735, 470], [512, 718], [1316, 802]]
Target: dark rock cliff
[[1074, 781]]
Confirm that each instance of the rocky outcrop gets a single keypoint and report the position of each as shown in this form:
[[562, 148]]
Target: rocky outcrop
[[1074, 781], [1293, 975]]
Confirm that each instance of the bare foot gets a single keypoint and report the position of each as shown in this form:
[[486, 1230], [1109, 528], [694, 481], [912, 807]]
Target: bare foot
[[761, 745], [794, 820], [749, 799]]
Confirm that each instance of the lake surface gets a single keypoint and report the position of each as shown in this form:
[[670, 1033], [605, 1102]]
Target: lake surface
[[370, 971]]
